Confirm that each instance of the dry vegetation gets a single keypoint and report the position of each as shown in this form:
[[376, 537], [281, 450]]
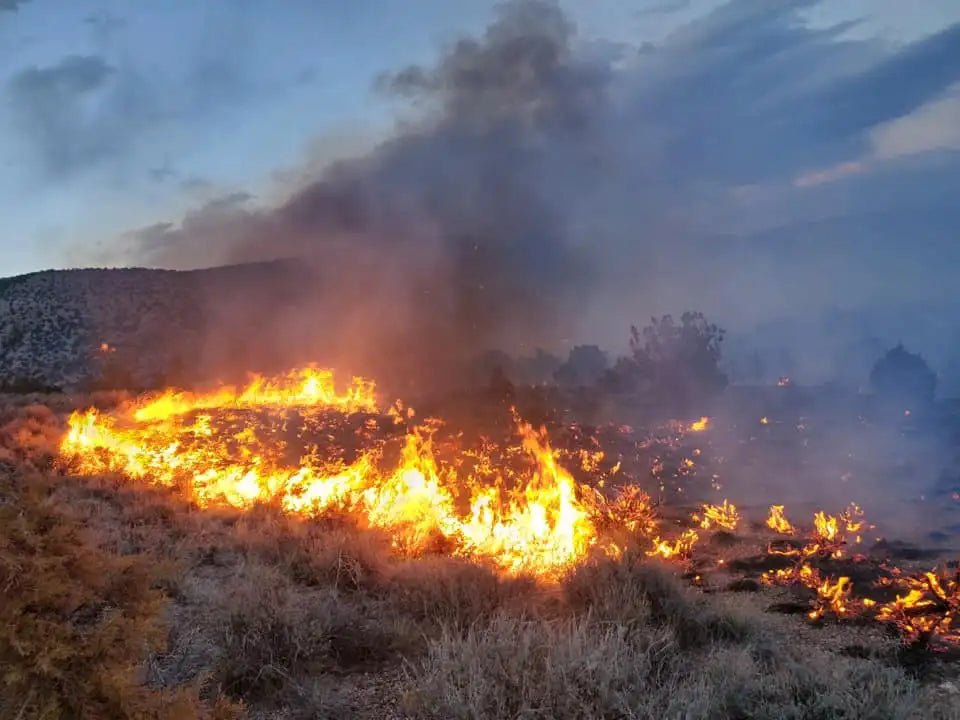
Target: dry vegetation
[[120, 600]]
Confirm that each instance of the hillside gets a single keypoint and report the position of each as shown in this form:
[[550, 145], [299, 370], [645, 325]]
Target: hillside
[[135, 327]]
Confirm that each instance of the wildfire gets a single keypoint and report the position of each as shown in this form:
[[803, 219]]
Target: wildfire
[[308, 387], [830, 532], [723, 516], [833, 596], [681, 547], [538, 525], [699, 425], [778, 522], [928, 608], [514, 506]]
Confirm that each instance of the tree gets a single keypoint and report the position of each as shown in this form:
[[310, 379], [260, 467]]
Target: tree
[[500, 386], [539, 368], [493, 361], [678, 363], [904, 377], [584, 366]]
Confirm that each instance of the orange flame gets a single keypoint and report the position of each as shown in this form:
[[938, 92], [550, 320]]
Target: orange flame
[[680, 548], [699, 425], [541, 526], [778, 522], [928, 608], [725, 516]]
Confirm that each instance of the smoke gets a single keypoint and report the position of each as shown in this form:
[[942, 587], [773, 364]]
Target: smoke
[[554, 188], [444, 240]]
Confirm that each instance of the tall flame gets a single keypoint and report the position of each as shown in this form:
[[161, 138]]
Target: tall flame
[[540, 525]]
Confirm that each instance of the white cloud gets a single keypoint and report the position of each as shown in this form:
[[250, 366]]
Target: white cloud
[[931, 127], [829, 174]]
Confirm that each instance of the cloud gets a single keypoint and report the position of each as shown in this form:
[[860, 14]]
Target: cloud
[[750, 91], [105, 26], [162, 173], [895, 86], [11, 5], [546, 187], [830, 174], [931, 127], [120, 111], [77, 112], [664, 8]]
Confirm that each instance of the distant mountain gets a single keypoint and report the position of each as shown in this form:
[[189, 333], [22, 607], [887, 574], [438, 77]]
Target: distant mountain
[[72, 329]]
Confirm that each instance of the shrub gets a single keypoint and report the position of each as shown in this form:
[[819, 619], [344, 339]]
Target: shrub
[[903, 376], [75, 623], [632, 592]]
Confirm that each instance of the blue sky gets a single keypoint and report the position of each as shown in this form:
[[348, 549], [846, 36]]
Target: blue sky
[[117, 116]]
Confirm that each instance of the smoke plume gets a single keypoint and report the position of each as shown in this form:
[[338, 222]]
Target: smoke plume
[[554, 187], [444, 240]]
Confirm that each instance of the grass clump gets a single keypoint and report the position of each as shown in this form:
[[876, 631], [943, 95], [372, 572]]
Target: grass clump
[[573, 668], [278, 641], [454, 594], [638, 645], [631, 591]]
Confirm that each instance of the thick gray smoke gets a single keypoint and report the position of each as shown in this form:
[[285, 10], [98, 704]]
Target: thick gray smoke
[[444, 240], [558, 188]]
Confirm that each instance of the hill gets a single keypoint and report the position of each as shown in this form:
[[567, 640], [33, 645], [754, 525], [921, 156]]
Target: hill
[[130, 327]]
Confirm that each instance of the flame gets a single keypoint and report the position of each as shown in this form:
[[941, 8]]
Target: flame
[[778, 522], [190, 440], [699, 425], [833, 597], [724, 516], [226, 447], [681, 547], [830, 532], [927, 610], [305, 387]]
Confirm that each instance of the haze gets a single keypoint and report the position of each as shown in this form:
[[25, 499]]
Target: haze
[[790, 169]]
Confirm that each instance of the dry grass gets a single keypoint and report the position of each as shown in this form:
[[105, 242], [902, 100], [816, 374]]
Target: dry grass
[[638, 645], [136, 604]]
